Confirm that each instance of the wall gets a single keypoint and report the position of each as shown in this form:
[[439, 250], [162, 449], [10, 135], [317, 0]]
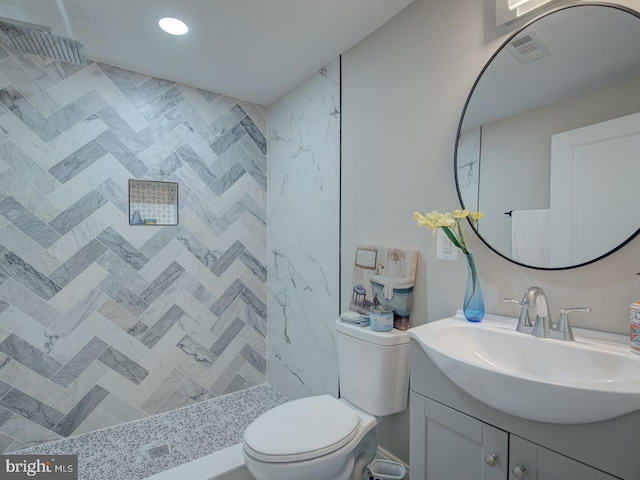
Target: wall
[[403, 90], [304, 203], [103, 323]]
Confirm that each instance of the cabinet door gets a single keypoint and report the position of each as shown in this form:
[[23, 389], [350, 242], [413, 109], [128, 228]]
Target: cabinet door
[[462, 448], [538, 463]]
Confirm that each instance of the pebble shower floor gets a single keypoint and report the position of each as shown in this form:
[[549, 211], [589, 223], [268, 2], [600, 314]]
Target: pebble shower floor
[[137, 450]]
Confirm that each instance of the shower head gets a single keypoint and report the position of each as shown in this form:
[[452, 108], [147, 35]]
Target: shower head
[[39, 40]]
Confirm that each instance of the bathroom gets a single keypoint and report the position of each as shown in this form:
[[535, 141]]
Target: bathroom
[[402, 91]]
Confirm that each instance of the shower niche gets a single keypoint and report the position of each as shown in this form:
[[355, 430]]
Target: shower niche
[[153, 202]]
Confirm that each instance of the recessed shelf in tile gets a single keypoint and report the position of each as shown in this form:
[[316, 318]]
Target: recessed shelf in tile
[[153, 203]]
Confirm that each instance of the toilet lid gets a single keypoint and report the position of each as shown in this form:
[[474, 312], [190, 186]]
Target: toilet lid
[[301, 429]]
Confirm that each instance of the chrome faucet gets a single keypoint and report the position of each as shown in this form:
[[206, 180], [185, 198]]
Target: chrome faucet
[[543, 325], [534, 302]]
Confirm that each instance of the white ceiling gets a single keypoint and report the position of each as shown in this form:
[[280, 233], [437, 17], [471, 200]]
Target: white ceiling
[[255, 50]]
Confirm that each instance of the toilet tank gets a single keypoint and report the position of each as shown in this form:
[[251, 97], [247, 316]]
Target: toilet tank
[[373, 368]]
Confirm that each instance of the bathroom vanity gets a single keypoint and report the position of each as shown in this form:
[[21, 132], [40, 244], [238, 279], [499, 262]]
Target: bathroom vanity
[[456, 436]]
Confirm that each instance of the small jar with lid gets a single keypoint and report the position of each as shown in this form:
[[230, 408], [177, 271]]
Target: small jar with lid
[[381, 318]]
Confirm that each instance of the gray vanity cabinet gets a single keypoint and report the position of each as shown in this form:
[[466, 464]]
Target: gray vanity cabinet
[[539, 463], [453, 436], [461, 447], [453, 445]]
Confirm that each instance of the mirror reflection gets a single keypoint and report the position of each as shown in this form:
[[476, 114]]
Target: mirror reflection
[[548, 141]]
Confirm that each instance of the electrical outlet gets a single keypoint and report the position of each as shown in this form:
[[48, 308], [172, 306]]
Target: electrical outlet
[[445, 249]]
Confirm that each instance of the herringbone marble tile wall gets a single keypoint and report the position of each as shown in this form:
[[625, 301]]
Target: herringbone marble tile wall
[[101, 322]]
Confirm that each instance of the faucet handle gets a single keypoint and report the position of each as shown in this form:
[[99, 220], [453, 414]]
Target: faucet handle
[[564, 326], [511, 300], [523, 319]]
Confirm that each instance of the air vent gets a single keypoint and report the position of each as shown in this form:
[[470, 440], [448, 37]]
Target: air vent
[[528, 48]]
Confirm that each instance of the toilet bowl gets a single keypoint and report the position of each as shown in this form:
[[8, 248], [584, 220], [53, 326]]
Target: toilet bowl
[[324, 438], [315, 438]]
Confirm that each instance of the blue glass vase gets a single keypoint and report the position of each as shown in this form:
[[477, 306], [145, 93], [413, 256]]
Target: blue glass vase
[[473, 306]]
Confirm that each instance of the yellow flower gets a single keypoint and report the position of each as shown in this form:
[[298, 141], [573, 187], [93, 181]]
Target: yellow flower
[[460, 213], [421, 220], [450, 224], [475, 216], [445, 220], [432, 219]]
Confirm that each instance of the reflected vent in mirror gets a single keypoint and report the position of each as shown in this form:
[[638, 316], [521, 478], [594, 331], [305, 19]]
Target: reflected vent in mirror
[[528, 48]]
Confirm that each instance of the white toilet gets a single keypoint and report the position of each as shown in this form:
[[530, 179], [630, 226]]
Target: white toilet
[[322, 438]]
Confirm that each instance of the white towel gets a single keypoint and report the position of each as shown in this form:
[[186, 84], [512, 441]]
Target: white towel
[[530, 236], [387, 291]]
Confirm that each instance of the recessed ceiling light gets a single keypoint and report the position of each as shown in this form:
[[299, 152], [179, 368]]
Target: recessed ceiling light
[[173, 26]]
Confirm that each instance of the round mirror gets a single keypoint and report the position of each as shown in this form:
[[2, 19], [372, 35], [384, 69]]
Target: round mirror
[[549, 139]]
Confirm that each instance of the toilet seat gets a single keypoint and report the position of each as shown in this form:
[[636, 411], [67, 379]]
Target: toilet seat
[[301, 430]]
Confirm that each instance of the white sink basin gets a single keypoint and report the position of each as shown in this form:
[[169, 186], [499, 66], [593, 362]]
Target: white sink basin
[[540, 379]]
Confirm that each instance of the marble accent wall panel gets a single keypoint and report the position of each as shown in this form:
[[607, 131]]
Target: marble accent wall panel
[[303, 236], [101, 322]]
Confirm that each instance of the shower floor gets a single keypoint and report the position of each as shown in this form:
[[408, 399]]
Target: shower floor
[[137, 450]]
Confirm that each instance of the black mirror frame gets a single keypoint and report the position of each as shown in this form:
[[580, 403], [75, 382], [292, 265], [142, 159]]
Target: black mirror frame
[[464, 110]]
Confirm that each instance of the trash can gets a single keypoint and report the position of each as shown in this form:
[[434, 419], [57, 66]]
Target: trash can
[[387, 470]]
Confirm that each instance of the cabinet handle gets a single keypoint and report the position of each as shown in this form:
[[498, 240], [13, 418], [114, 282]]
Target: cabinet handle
[[491, 459], [519, 472]]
